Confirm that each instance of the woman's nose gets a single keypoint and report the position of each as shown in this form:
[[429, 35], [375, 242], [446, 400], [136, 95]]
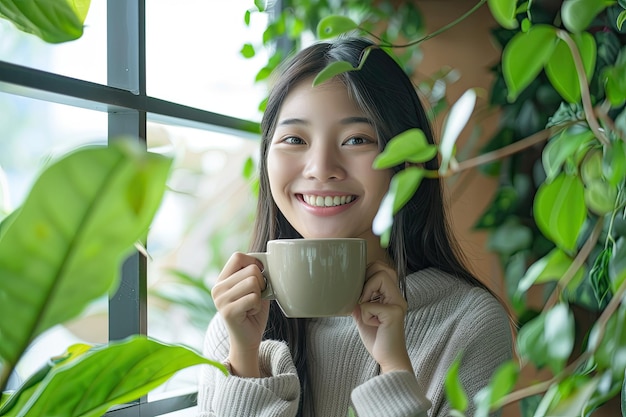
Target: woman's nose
[[324, 163]]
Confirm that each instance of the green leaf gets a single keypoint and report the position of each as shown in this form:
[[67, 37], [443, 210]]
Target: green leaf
[[600, 196], [454, 389], [525, 56], [574, 394], [599, 277], [559, 210], [548, 339], [562, 147], [409, 146], [18, 400], [331, 70], [578, 14], [503, 381], [456, 120], [559, 335], [260, 5], [248, 168], [247, 50], [617, 265], [402, 187], [561, 70], [332, 26], [504, 12], [614, 162], [621, 18], [113, 374], [52, 21], [551, 267], [408, 180], [67, 241]]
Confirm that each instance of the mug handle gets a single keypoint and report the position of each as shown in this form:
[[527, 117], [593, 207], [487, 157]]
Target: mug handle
[[268, 292]]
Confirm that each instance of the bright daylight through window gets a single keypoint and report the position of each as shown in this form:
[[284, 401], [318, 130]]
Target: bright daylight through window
[[185, 87]]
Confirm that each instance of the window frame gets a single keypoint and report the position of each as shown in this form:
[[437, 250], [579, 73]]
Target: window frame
[[129, 109]]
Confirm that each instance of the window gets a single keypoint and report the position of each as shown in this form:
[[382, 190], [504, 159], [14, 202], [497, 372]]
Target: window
[[169, 73]]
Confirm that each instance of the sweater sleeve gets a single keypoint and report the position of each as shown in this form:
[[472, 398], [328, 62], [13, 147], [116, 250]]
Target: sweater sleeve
[[474, 326], [276, 394], [371, 399]]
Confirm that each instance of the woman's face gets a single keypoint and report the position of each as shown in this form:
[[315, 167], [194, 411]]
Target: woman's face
[[320, 164]]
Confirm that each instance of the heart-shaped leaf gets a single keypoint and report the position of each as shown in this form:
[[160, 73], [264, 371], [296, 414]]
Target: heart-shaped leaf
[[560, 211], [409, 146], [578, 14], [331, 70], [561, 70], [332, 26], [504, 12], [525, 55]]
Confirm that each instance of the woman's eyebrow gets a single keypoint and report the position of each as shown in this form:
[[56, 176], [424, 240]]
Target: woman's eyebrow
[[293, 121], [356, 120]]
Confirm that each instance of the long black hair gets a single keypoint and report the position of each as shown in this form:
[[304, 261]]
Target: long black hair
[[420, 236]]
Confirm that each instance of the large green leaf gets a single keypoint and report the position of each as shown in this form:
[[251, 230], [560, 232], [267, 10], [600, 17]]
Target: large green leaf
[[559, 210], [525, 56], [578, 14], [65, 244], [561, 70], [108, 375], [504, 12], [53, 21], [17, 400]]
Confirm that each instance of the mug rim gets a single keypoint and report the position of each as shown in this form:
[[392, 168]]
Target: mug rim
[[318, 239]]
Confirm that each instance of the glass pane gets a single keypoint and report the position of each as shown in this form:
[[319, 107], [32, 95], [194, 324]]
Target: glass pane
[[192, 55], [84, 58], [34, 132], [205, 217]]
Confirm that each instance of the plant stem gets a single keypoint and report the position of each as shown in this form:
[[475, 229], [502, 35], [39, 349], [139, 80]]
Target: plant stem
[[508, 150], [584, 88], [440, 30], [578, 262]]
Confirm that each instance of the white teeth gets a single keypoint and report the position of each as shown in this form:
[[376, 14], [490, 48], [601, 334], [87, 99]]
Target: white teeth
[[328, 201]]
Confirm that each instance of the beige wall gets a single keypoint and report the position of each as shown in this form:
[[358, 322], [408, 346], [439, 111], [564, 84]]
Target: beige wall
[[468, 49]]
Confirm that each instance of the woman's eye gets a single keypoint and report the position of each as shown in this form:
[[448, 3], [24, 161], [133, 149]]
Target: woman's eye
[[293, 140], [357, 141]]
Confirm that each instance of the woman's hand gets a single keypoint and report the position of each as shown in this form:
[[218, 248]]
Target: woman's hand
[[237, 296], [380, 318]]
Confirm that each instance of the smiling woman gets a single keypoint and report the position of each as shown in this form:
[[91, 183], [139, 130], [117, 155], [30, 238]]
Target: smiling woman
[[420, 307]]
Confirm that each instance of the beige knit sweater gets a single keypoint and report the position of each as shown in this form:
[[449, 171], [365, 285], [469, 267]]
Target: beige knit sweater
[[445, 316]]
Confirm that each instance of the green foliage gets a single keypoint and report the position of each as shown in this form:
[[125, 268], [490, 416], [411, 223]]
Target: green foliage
[[454, 389], [60, 250], [556, 220], [504, 12], [53, 21]]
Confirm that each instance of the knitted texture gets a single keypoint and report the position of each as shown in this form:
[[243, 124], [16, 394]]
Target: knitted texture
[[446, 316]]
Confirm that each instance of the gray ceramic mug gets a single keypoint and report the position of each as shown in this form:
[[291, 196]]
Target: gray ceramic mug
[[314, 277]]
